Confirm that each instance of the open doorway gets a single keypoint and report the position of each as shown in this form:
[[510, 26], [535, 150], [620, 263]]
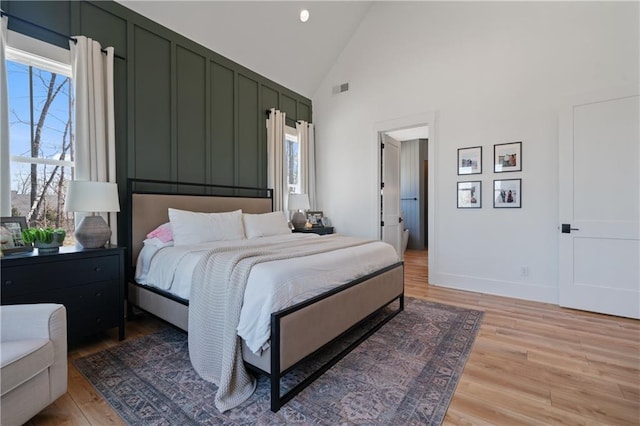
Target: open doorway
[[427, 125], [414, 164]]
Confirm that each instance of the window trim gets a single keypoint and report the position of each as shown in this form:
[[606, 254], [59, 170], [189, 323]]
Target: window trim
[[291, 131], [40, 54], [39, 160]]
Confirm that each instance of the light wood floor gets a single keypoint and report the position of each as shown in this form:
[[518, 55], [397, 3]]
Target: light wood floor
[[532, 363]]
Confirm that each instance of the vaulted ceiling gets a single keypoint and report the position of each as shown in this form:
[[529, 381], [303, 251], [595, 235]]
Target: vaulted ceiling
[[265, 36]]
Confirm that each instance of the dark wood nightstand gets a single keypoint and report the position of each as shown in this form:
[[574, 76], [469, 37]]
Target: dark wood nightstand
[[321, 230], [88, 282]]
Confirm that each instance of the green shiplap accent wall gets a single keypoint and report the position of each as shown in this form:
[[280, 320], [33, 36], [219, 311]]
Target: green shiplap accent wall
[[191, 113], [250, 118], [269, 98], [108, 28], [222, 111], [304, 112], [288, 105], [121, 119], [56, 16], [151, 96]]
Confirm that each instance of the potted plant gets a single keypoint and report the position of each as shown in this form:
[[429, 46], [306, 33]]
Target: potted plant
[[46, 240]]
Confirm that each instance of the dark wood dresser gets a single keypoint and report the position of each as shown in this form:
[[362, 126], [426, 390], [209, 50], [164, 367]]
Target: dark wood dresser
[[88, 282]]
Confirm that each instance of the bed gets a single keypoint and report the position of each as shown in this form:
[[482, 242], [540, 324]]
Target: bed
[[297, 332]]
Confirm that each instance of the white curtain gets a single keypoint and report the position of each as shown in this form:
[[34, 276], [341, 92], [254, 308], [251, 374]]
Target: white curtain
[[5, 174], [306, 139], [94, 109], [277, 179]]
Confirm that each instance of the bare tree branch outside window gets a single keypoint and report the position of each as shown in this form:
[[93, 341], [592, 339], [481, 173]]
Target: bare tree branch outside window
[[41, 133]]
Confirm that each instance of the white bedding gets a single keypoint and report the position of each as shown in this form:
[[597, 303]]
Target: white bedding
[[271, 286]]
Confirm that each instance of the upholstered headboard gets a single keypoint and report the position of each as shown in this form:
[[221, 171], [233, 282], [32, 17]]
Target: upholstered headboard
[[150, 200]]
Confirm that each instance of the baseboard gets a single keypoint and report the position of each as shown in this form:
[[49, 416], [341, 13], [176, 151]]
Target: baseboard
[[528, 291]]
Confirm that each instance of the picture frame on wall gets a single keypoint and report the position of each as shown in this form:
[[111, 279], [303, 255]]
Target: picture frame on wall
[[470, 195], [507, 157], [507, 193], [470, 161], [11, 235]]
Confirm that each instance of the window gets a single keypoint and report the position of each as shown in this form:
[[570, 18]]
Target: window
[[292, 154], [41, 138]]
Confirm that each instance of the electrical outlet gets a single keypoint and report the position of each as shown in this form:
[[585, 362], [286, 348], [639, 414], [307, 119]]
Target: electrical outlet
[[524, 271]]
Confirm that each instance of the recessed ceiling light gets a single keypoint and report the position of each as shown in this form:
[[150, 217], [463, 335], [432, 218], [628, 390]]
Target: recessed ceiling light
[[304, 15]]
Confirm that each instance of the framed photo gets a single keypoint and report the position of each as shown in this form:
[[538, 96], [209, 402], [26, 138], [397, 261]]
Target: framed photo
[[507, 157], [11, 235], [470, 161], [507, 193], [325, 221], [315, 218], [470, 195]]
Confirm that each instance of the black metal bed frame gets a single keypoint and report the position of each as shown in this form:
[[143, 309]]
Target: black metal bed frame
[[277, 400]]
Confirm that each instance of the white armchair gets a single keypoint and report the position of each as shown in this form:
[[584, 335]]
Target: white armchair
[[33, 352]]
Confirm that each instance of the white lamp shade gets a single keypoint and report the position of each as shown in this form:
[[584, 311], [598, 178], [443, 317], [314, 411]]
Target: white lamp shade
[[87, 196], [298, 202]]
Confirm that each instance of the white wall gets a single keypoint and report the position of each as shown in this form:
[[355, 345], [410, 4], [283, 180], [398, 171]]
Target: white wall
[[493, 73]]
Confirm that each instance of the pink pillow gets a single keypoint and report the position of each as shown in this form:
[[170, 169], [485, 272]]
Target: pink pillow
[[162, 232]]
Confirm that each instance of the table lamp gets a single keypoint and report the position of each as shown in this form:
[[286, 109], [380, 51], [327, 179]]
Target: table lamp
[[93, 197], [298, 202]]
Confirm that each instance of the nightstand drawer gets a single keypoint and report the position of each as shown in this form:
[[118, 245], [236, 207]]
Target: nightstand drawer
[[23, 281], [90, 321], [79, 298], [90, 296]]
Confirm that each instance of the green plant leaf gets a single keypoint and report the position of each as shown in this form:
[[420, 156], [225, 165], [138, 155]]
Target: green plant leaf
[[44, 235]]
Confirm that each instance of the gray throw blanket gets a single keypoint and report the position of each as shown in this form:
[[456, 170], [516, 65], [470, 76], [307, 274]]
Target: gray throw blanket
[[217, 293]]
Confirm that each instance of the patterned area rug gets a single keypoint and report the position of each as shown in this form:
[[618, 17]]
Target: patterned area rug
[[405, 373]]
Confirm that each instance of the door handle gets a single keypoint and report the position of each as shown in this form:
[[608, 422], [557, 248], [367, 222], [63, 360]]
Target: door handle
[[566, 228]]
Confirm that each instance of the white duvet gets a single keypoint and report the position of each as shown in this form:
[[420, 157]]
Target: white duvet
[[272, 286]]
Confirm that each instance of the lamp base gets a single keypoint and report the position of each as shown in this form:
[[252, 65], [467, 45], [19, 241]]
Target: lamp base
[[92, 232], [298, 220]]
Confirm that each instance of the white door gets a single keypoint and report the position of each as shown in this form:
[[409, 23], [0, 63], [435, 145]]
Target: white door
[[390, 192], [600, 204]]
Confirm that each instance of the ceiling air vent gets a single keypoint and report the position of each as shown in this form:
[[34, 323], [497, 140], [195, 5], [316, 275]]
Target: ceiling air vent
[[340, 88]]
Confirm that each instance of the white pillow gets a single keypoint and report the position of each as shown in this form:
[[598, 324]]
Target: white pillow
[[265, 224], [194, 227]]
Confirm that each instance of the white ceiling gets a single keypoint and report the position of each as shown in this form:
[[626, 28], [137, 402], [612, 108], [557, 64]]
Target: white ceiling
[[265, 36]]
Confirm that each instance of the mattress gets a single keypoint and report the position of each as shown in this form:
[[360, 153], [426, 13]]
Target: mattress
[[272, 286]]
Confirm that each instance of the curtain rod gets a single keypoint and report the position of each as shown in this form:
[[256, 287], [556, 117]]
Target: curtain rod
[[286, 118], [2, 13]]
